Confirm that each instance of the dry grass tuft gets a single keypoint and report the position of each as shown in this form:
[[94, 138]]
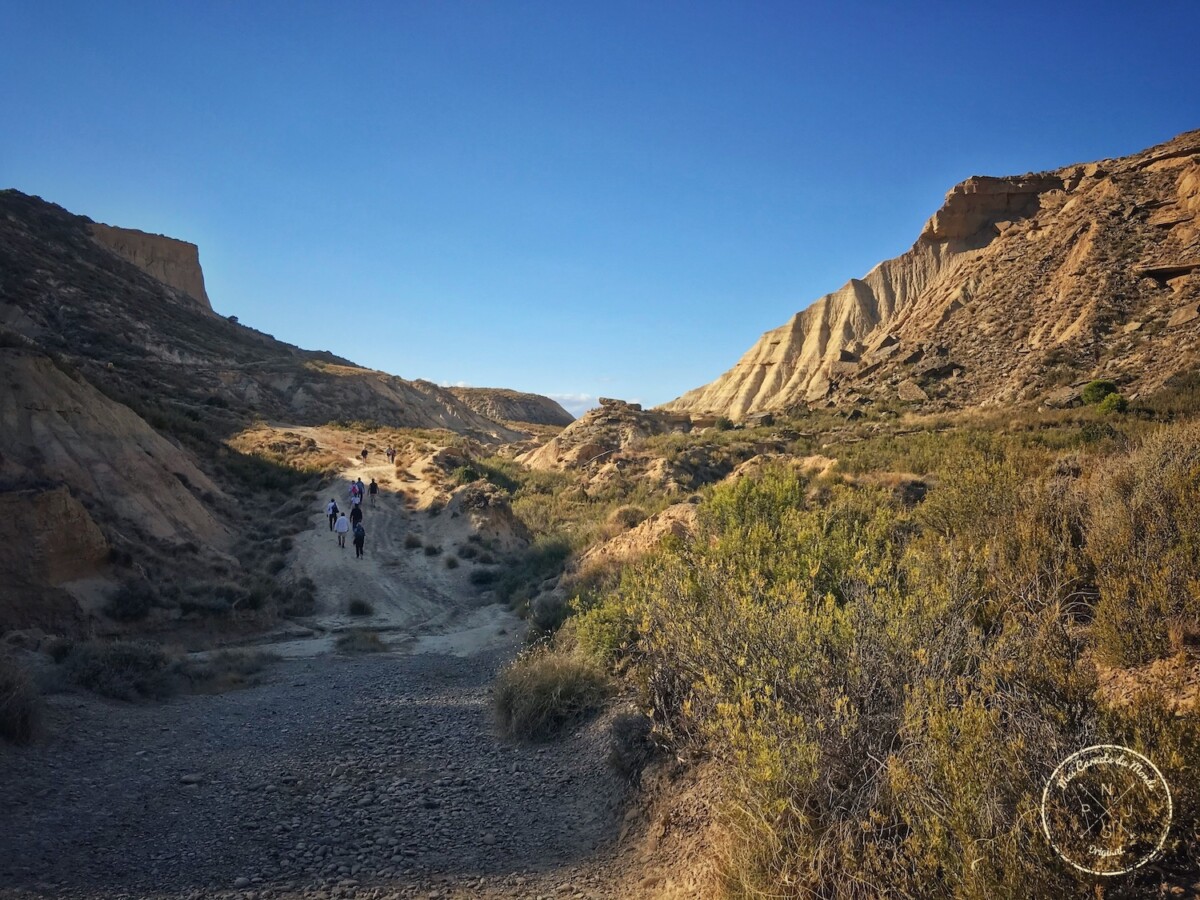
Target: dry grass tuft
[[544, 691], [361, 640]]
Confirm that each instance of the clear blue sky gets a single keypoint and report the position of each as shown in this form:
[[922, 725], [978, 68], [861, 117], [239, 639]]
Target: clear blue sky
[[604, 198]]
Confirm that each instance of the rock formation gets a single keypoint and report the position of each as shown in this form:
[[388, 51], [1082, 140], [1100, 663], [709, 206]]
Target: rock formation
[[1014, 288], [611, 427], [173, 262], [504, 405]]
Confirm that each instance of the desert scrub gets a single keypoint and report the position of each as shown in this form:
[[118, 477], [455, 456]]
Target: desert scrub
[[361, 640], [412, 542], [132, 602], [360, 608], [851, 668], [1143, 538], [626, 517], [451, 561], [20, 702], [123, 670], [545, 691]]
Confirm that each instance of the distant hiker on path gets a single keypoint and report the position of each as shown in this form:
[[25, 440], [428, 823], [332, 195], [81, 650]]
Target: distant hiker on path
[[341, 527], [360, 537], [362, 491], [364, 454], [355, 516], [353, 490], [391, 453], [331, 510], [372, 490]]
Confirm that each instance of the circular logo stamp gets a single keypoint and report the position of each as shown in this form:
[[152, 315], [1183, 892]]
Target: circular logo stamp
[[1106, 810]]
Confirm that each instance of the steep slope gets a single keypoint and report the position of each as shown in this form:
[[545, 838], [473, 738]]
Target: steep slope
[[1016, 289], [70, 285], [504, 405]]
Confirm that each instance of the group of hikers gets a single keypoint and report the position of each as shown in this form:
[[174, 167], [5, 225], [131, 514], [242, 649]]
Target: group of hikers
[[341, 524]]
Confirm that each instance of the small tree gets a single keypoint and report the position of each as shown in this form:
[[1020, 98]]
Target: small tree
[[1095, 391]]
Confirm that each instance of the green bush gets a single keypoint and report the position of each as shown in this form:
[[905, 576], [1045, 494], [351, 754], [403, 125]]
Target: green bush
[[1113, 403], [451, 561], [360, 608], [432, 550], [1095, 391], [850, 668], [723, 424], [20, 702], [543, 692]]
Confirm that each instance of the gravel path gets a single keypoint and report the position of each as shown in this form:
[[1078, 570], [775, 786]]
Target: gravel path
[[370, 777]]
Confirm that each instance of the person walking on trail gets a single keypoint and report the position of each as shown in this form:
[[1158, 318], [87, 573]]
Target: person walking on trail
[[353, 490], [360, 537], [355, 516], [341, 527], [372, 490], [362, 491], [390, 452], [364, 454], [331, 510]]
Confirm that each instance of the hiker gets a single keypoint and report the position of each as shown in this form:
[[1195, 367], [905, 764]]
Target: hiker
[[362, 490], [331, 510], [360, 537], [390, 452], [341, 527], [364, 454], [372, 490], [353, 490], [355, 516]]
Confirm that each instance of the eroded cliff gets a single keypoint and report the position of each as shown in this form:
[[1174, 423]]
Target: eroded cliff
[[1016, 289]]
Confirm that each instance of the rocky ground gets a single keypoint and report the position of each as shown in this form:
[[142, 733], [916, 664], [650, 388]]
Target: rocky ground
[[374, 776]]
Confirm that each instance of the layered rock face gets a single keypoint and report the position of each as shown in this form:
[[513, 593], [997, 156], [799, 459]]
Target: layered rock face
[[173, 262], [1014, 288], [513, 406]]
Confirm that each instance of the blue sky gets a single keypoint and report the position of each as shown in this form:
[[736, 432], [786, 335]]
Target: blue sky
[[572, 198]]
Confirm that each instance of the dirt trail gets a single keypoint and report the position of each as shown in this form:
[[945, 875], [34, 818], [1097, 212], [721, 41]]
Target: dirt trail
[[371, 776]]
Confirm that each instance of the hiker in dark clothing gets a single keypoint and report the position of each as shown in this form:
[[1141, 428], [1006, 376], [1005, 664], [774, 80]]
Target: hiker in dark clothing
[[360, 537], [331, 510], [372, 490], [355, 516]]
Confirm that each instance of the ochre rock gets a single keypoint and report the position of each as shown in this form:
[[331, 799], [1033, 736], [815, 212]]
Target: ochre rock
[[1012, 284], [173, 262]]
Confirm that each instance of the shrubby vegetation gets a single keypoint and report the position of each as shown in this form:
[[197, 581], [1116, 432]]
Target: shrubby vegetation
[[888, 684]]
